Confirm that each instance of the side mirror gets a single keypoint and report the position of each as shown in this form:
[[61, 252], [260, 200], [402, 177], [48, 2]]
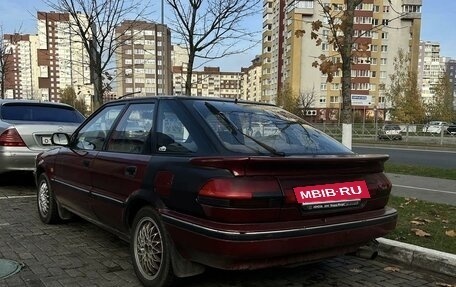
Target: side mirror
[[60, 139]]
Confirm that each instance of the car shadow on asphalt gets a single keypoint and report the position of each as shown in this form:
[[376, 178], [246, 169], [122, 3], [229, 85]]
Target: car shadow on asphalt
[[17, 178]]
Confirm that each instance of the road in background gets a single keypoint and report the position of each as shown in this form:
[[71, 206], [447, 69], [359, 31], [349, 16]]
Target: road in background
[[420, 157], [424, 188]]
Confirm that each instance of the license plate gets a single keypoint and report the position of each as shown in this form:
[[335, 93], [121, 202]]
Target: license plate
[[332, 195], [46, 140]]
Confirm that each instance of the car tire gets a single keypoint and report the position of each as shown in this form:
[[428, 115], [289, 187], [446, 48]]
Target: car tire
[[150, 249], [47, 206]]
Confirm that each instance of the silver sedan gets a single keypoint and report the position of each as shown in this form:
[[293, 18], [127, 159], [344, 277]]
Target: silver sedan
[[26, 128]]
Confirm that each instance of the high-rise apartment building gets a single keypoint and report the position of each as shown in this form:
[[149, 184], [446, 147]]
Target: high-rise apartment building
[[21, 81], [251, 81], [210, 82], [179, 56], [450, 69], [430, 68], [385, 26], [143, 60], [61, 57]]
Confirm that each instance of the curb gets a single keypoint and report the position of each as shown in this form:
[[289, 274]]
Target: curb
[[416, 256]]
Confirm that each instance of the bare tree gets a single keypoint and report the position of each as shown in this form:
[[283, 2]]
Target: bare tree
[[95, 21], [306, 100], [212, 29]]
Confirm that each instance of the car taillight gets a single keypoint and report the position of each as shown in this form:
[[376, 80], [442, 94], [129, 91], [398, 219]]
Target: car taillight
[[11, 137], [241, 192], [241, 200]]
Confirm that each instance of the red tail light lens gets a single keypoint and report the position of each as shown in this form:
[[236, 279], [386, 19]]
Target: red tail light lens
[[11, 137], [242, 200], [236, 192]]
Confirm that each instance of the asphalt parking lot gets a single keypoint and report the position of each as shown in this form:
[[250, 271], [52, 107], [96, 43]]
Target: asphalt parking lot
[[78, 253]]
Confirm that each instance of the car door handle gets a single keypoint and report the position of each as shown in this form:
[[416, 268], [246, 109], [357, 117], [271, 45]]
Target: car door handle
[[130, 170]]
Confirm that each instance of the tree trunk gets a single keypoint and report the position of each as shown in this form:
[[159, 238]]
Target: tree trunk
[[346, 55], [189, 72], [96, 77]]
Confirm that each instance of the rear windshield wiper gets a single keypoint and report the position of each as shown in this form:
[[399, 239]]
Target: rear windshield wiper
[[234, 130]]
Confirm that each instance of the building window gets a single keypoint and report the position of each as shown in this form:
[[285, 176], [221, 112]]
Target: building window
[[324, 46]]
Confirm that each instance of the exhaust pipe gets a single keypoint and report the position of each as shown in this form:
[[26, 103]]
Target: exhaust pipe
[[369, 251]]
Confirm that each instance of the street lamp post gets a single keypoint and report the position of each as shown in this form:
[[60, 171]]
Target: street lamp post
[[375, 123]]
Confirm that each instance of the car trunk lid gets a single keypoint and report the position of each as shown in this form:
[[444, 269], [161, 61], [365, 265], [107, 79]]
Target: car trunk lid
[[37, 135], [295, 188]]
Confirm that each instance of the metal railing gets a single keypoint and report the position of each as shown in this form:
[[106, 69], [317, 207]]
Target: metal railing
[[411, 133]]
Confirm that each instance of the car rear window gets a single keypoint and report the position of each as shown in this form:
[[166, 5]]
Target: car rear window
[[40, 113], [252, 128], [390, 128]]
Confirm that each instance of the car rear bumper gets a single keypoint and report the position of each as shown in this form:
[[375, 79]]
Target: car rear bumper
[[231, 246], [17, 159]]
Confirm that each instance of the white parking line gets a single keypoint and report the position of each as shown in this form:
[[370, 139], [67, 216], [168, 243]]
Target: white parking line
[[16, 196], [427, 189]]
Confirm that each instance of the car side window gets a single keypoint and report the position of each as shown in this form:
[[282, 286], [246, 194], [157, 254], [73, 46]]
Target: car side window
[[93, 134], [172, 135], [132, 133]]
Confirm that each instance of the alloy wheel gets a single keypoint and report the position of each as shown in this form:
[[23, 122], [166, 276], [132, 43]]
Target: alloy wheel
[[43, 199], [149, 248]]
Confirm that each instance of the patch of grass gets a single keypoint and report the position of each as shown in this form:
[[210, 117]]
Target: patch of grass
[[420, 170], [431, 218]]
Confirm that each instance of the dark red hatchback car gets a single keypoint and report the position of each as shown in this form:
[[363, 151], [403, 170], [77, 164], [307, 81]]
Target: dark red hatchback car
[[194, 182]]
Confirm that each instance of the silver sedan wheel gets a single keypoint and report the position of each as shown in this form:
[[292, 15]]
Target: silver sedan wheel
[[148, 249], [43, 199]]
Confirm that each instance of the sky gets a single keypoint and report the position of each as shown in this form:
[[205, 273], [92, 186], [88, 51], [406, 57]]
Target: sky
[[437, 26]]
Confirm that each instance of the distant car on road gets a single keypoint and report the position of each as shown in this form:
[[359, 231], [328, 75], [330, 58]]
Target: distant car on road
[[26, 128], [435, 127], [231, 184], [451, 129], [390, 132]]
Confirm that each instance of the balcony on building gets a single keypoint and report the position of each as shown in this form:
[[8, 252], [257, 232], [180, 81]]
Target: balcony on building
[[304, 7], [411, 9]]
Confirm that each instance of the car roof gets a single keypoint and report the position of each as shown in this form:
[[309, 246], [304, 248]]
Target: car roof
[[184, 98], [6, 101]]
